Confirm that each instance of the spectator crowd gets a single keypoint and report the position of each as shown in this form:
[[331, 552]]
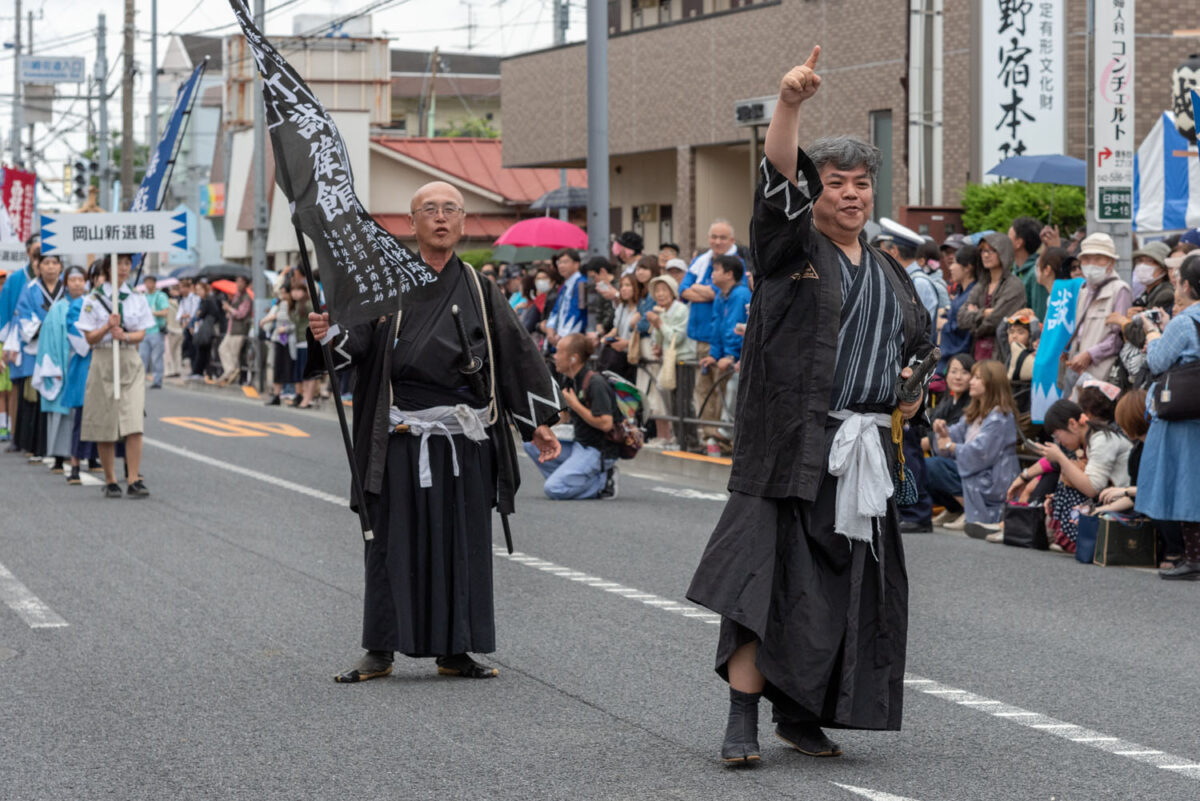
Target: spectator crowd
[[1062, 388]]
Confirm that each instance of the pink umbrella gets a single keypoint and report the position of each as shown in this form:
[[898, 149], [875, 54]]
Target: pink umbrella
[[544, 232]]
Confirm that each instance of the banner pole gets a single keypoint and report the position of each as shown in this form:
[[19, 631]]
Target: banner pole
[[116, 346], [356, 488]]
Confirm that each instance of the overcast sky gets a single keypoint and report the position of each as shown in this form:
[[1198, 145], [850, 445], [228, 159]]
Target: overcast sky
[[68, 28]]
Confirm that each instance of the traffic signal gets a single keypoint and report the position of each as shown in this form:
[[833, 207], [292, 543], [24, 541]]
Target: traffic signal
[[83, 172], [81, 177]]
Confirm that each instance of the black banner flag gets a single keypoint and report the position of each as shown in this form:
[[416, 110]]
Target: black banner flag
[[364, 269]]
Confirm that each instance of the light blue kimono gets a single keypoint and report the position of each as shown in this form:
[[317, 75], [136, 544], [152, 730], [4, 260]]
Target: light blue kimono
[[10, 295], [26, 319], [81, 357], [53, 356]]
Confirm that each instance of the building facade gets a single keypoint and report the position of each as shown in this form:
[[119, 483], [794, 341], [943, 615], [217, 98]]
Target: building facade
[[676, 69]]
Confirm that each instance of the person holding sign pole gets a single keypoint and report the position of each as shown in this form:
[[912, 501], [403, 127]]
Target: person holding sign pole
[[108, 415]]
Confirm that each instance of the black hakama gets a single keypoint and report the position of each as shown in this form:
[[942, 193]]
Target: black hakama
[[30, 433], [429, 568], [831, 645]]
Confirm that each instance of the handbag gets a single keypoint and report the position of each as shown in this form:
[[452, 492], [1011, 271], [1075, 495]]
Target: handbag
[[205, 330], [1085, 538], [633, 354], [666, 376], [1126, 543], [1025, 526], [1177, 391]]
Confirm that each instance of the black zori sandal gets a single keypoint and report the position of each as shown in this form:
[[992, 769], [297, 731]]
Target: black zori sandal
[[372, 665], [807, 738], [464, 667]]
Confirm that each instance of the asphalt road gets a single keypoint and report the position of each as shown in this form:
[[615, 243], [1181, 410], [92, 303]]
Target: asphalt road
[[184, 646]]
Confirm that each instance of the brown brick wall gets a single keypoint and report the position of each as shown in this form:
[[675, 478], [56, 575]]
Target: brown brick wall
[[675, 86]]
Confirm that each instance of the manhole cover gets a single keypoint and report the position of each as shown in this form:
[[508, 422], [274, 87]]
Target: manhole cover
[[6, 654]]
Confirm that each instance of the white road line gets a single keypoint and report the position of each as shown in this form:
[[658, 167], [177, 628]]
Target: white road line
[[691, 494], [632, 593], [1023, 717], [85, 476], [873, 795], [266, 478], [17, 597], [1057, 728]]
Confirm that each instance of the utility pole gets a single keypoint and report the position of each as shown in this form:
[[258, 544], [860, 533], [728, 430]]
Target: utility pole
[[258, 242], [153, 73], [127, 188], [29, 47], [102, 92], [153, 138], [431, 107], [15, 135], [560, 39], [597, 126]]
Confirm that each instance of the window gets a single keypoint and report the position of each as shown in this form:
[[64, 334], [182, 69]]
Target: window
[[692, 8], [614, 17], [881, 137]]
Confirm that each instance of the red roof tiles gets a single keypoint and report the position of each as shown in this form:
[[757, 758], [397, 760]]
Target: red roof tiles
[[478, 162]]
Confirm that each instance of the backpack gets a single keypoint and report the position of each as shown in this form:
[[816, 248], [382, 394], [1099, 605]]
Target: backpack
[[626, 432]]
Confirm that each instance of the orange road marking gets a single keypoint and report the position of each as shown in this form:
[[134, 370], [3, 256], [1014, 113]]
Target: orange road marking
[[249, 391], [214, 428], [282, 429], [697, 457]]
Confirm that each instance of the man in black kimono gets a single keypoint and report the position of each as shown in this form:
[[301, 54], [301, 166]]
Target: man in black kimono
[[806, 565], [430, 448]]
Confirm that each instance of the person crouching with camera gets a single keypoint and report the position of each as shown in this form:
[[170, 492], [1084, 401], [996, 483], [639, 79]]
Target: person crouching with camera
[[586, 468]]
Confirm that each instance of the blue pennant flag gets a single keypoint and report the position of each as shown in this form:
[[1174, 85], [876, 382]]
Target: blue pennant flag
[[1057, 330], [148, 196]]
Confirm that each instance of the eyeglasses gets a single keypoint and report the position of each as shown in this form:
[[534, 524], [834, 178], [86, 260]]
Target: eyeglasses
[[446, 210]]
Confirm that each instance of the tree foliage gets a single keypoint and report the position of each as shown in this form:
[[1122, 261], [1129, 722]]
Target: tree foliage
[[476, 258], [995, 206], [475, 128]]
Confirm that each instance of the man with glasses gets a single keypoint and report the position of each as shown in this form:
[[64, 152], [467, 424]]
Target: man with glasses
[[429, 443]]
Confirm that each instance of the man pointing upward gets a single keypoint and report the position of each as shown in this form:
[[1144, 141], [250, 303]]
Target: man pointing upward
[[805, 565]]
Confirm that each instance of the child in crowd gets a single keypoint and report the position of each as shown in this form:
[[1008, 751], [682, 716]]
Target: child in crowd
[[1021, 348]]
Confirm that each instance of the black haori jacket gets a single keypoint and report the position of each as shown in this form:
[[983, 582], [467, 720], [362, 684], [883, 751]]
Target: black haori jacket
[[790, 352], [526, 392]]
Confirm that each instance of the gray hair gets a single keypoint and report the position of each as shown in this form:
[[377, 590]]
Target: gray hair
[[845, 153]]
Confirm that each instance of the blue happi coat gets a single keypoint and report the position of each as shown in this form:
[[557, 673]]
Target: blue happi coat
[[26, 320], [81, 357]]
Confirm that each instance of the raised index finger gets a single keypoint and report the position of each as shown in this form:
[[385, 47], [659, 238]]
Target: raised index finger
[[812, 60]]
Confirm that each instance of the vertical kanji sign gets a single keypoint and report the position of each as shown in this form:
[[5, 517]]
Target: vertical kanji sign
[[16, 192], [1113, 110], [1022, 88]]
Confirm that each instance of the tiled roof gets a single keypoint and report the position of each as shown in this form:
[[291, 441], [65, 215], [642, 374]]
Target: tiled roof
[[478, 162]]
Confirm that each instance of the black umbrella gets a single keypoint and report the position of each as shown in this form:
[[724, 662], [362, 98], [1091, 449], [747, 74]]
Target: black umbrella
[[564, 197], [187, 271], [226, 270]]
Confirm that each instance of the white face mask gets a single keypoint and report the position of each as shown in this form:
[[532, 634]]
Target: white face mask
[[542, 286], [1144, 274], [1094, 273]]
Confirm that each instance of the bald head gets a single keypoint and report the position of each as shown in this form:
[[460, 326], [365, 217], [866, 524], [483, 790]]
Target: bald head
[[720, 237], [436, 191], [438, 220]]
